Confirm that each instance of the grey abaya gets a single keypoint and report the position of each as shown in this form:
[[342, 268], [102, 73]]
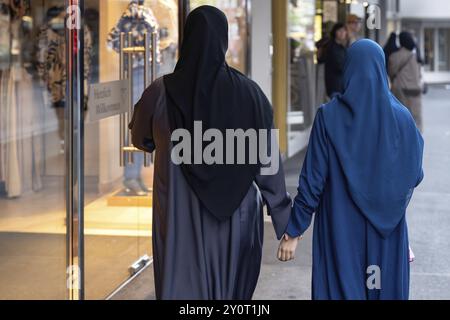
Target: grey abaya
[[196, 256]]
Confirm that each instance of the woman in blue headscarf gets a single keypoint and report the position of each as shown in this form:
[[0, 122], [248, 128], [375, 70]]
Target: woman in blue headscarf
[[363, 162]]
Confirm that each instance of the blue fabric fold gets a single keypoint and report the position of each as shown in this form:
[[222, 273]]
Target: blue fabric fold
[[378, 145]]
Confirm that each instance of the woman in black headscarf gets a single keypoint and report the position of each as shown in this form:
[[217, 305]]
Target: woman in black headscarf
[[406, 77], [390, 47], [207, 219]]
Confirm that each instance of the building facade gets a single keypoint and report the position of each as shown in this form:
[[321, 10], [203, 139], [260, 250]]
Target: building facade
[[72, 225]]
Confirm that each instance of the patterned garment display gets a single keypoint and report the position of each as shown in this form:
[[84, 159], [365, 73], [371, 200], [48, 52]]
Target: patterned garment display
[[51, 61], [137, 19], [5, 35], [19, 8]]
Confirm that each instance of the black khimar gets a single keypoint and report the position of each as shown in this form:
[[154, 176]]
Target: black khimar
[[204, 88]]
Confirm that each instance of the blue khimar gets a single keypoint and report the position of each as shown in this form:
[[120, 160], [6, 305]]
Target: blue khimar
[[362, 164]]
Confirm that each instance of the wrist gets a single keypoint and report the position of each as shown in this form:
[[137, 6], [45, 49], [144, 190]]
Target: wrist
[[289, 237]]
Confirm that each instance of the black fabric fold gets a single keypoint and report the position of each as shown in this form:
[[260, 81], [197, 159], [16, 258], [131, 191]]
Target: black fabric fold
[[204, 88]]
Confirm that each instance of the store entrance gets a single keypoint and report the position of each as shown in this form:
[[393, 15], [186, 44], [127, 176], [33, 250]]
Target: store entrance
[[75, 196], [133, 43]]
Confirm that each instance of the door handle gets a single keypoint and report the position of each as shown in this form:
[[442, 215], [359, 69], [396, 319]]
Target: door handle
[[150, 67]]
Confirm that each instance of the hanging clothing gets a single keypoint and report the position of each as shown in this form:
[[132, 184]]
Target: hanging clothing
[[13, 181], [204, 88], [201, 252], [30, 133], [4, 88], [137, 19], [363, 162], [18, 8], [20, 137], [20, 126], [51, 61]]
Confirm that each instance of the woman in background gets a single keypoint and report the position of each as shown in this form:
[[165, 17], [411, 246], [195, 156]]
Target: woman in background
[[406, 78]]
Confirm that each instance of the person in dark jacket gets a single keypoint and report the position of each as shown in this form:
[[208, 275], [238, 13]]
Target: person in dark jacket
[[390, 47], [335, 59]]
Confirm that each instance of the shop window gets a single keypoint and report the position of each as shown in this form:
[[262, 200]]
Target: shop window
[[429, 49], [118, 202], [32, 175], [301, 71], [236, 12], [444, 49]]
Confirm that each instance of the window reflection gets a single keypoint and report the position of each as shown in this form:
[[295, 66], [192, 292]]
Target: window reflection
[[118, 206], [32, 188], [301, 72], [236, 12]]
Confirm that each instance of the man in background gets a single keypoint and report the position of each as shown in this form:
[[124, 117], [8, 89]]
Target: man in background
[[353, 25]]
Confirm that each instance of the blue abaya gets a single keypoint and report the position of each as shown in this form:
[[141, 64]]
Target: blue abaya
[[363, 162]]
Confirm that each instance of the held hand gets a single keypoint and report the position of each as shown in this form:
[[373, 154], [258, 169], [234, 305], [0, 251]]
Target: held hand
[[286, 250]]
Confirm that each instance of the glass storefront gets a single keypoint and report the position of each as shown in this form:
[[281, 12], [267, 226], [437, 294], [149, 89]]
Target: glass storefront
[[301, 71], [444, 49], [237, 12], [32, 162], [429, 41], [436, 48], [59, 150], [117, 213]]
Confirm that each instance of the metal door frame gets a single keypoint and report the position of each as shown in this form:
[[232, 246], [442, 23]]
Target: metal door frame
[[74, 149]]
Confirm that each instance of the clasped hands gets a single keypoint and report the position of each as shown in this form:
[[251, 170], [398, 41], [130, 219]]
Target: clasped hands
[[286, 249]]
